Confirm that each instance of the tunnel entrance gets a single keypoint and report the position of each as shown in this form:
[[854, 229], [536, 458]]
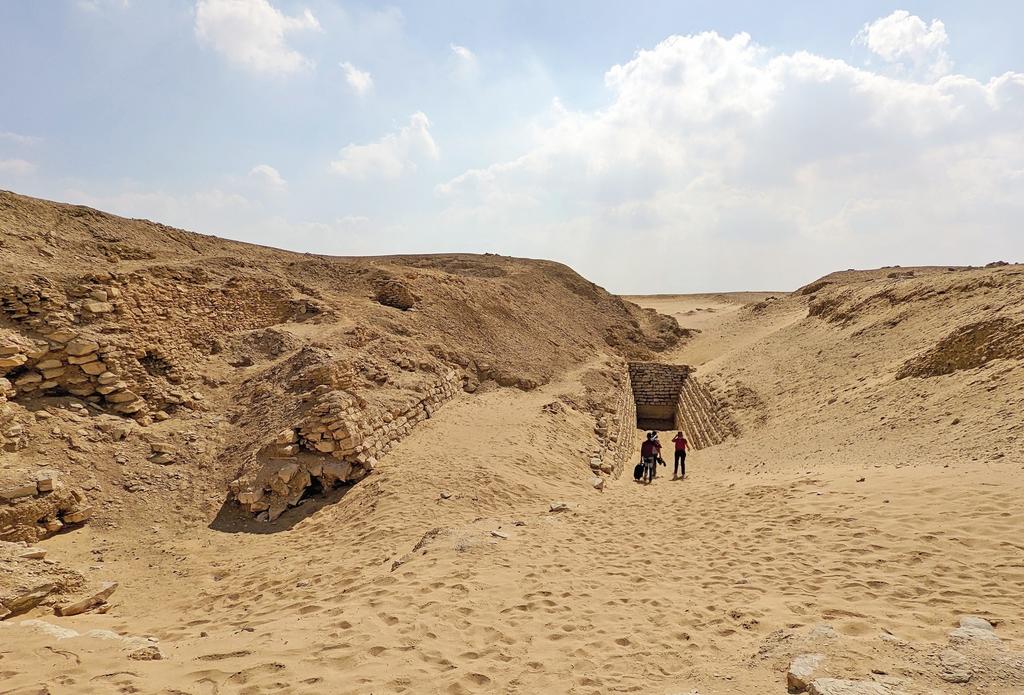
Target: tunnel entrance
[[656, 389], [668, 398], [655, 417]]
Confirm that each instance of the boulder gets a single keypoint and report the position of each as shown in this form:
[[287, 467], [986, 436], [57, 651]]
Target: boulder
[[973, 634], [802, 670], [976, 622]]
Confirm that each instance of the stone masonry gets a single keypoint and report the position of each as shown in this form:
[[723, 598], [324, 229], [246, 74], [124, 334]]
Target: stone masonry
[[672, 392], [338, 441]]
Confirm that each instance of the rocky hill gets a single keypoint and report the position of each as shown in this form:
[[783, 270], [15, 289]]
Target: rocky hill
[[141, 357]]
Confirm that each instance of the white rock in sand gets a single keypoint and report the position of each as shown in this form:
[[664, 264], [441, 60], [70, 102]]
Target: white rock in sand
[[802, 671], [975, 622], [973, 634], [838, 686]]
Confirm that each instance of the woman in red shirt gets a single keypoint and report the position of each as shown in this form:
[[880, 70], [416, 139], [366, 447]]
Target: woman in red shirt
[[681, 448]]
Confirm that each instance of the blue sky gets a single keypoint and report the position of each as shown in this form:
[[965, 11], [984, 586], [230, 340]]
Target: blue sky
[[665, 147]]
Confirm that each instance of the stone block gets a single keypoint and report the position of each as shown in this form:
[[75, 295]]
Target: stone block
[[78, 516], [12, 361], [79, 347], [94, 307], [18, 491], [94, 368], [62, 335], [126, 396]]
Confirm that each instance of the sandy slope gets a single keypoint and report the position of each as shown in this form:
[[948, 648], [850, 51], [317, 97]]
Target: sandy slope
[[850, 499]]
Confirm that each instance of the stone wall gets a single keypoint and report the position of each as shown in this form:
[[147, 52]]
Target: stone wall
[[670, 392], [66, 362], [616, 429], [338, 441], [657, 384], [55, 350], [703, 419], [33, 506]]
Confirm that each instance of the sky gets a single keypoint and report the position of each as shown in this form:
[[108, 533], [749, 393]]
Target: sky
[[654, 146]]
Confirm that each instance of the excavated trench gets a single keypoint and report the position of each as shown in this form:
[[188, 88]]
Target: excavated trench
[[669, 398]]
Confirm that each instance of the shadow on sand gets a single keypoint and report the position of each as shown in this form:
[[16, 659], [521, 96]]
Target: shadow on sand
[[231, 518]]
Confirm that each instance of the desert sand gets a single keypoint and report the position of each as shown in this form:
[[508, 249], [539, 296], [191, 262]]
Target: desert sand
[[870, 497]]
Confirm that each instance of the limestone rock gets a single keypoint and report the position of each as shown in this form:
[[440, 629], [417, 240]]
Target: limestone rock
[[18, 491], [395, 294], [838, 686], [955, 667], [94, 307], [62, 335], [79, 347], [973, 634], [802, 670], [974, 621], [89, 602], [27, 600], [78, 516], [31, 553], [149, 653], [45, 481], [824, 631], [12, 361], [123, 397]]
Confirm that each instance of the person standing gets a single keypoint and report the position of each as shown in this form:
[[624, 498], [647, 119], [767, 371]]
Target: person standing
[[650, 452], [681, 448]]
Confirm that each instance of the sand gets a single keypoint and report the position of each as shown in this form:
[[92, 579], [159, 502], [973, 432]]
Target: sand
[[446, 572]]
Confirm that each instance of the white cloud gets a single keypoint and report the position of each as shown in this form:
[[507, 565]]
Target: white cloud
[[905, 39], [753, 168], [19, 139], [360, 81], [466, 64], [393, 155], [16, 167], [253, 33], [268, 176]]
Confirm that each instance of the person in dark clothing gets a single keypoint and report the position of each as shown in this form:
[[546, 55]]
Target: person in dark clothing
[[650, 452], [681, 448]]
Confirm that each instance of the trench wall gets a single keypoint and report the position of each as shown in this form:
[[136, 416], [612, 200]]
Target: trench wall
[[618, 437]]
